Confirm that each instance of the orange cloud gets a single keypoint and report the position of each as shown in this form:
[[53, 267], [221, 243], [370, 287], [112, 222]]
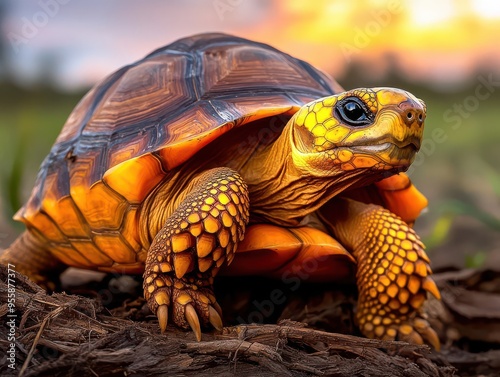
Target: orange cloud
[[442, 40]]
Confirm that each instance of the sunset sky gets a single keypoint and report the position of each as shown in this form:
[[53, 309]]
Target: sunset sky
[[79, 42]]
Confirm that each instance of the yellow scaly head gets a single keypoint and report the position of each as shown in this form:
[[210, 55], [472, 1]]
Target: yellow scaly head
[[377, 129]]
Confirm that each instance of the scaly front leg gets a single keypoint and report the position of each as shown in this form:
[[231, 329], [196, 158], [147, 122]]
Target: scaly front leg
[[393, 271], [189, 250]]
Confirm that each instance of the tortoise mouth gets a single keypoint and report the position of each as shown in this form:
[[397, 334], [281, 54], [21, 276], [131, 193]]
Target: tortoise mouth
[[403, 155], [396, 154], [372, 148], [409, 146], [382, 144]]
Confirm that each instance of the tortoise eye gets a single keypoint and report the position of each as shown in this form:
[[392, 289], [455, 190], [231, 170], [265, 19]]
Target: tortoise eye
[[353, 112]]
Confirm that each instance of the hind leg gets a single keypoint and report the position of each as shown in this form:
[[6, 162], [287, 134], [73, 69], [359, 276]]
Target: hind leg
[[28, 256]]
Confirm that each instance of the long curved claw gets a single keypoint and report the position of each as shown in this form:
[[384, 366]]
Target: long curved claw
[[419, 331], [427, 332], [162, 314], [217, 307], [430, 286], [408, 334], [193, 320], [432, 338], [215, 318]]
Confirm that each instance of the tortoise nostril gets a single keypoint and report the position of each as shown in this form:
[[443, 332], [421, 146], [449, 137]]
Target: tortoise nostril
[[420, 117], [409, 115]]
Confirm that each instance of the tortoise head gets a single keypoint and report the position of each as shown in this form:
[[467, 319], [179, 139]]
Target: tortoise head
[[378, 129]]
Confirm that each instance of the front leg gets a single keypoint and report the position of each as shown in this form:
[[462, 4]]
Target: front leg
[[392, 274], [196, 240]]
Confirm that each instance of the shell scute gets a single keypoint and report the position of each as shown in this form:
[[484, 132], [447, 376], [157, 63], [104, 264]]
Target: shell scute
[[146, 119]]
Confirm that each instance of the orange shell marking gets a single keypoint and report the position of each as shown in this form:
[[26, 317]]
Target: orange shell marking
[[63, 212], [135, 178], [278, 252]]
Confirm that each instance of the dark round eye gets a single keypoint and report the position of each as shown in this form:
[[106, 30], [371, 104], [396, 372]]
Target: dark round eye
[[353, 112]]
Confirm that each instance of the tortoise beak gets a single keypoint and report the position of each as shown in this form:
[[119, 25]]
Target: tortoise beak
[[403, 155], [412, 141]]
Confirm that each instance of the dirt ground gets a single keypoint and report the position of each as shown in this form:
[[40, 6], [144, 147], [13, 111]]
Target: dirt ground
[[105, 329]]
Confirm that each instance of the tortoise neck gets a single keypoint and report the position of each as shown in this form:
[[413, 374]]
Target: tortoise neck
[[280, 192]]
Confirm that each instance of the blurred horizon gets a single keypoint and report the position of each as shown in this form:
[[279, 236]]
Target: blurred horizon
[[445, 52], [72, 45]]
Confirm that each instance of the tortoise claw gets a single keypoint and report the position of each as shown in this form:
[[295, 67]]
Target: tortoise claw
[[430, 286], [214, 318], [193, 320], [217, 307], [415, 330], [190, 307], [432, 338], [427, 332], [162, 314], [408, 334], [419, 332]]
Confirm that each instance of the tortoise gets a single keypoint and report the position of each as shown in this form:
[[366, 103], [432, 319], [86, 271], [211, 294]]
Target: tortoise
[[219, 154]]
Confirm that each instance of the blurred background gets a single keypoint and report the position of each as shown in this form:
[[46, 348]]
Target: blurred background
[[445, 52]]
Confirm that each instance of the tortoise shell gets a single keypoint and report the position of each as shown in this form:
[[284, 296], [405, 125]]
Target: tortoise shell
[[141, 122]]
